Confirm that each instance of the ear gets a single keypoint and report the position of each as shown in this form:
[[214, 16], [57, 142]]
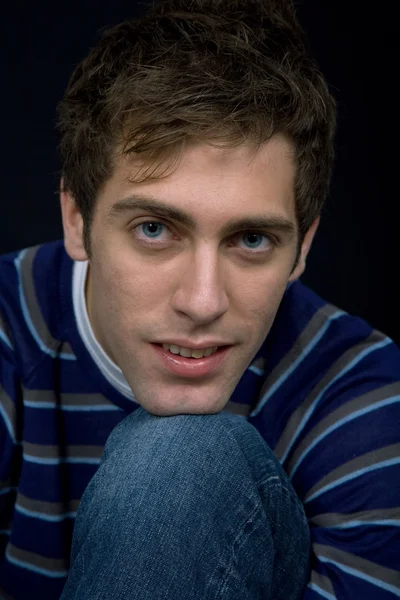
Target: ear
[[73, 225], [305, 248]]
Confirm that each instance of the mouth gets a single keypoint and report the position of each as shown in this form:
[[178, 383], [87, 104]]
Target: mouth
[[191, 362], [195, 353]]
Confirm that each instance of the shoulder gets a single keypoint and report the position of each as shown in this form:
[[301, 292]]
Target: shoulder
[[333, 336], [40, 259], [314, 332], [318, 359], [34, 285]]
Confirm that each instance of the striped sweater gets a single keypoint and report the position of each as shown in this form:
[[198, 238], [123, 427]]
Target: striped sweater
[[323, 391]]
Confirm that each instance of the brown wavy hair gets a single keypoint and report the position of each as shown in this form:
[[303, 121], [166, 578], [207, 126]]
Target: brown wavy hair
[[225, 72]]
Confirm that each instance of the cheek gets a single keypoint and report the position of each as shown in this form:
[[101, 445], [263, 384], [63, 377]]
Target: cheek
[[261, 295], [129, 285], [261, 301]]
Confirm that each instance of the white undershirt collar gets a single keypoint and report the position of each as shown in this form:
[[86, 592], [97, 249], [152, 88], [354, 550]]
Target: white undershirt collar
[[109, 369]]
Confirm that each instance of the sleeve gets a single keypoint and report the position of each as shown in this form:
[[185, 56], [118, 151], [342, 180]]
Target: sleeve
[[341, 450], [9, 432]]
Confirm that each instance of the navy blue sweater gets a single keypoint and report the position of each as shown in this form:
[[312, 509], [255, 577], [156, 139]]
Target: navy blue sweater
[[323, 391]]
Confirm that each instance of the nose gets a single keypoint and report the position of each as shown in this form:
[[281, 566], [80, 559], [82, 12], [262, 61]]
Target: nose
[[201, 293]]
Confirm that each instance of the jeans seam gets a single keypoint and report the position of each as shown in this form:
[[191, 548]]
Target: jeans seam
[[235, 546]]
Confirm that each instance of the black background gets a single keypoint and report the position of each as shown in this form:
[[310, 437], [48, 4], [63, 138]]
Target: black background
[[354, 259]]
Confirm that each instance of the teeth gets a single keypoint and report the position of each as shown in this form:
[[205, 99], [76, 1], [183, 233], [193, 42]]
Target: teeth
[[174, 349], [185, 352], [188, 352]]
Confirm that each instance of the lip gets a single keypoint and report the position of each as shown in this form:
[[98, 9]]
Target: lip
[[191, 368]]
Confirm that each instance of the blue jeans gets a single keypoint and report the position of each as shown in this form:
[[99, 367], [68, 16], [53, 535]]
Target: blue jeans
[[188, 507]]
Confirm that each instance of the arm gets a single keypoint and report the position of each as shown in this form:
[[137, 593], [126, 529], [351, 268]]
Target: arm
[[9, 433], [345, 465]]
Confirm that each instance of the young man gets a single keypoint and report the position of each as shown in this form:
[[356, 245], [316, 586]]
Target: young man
[[197, 147]]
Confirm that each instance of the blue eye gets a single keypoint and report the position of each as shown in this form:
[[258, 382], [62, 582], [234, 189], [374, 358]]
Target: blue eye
[[255, 241], [152, 230]]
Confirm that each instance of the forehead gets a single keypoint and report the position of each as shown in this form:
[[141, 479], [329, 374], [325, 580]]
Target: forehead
[[215, 183]]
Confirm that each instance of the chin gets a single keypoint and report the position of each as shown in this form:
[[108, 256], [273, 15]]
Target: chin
[[184, 406]]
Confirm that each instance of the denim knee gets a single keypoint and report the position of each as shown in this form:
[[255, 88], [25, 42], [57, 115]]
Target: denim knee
[[221, 447], [213, 441]]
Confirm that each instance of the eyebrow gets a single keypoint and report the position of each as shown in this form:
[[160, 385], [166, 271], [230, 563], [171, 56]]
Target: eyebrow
[[160, 209]]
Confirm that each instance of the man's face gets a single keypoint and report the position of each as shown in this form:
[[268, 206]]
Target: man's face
[[196, 263]]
